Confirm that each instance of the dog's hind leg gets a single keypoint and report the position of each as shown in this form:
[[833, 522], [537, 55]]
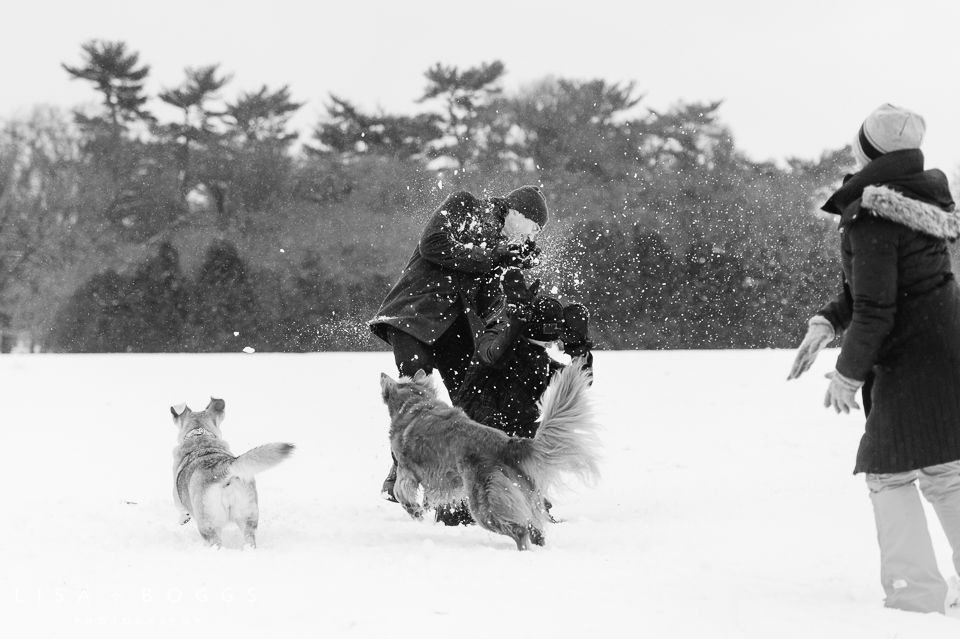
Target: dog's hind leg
[[405, 490], [184, 513], [244, 510], [249, 529], [496, 503], [210, 533]]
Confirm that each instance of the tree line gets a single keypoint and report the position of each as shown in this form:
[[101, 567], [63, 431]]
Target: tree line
[[223, 228]]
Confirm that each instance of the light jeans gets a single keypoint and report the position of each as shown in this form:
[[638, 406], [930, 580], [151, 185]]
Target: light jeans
[[908, 567]]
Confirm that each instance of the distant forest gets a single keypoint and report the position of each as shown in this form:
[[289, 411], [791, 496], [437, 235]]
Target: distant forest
[[224, 229]]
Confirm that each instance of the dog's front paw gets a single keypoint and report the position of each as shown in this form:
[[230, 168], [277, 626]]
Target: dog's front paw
[[184, 518]]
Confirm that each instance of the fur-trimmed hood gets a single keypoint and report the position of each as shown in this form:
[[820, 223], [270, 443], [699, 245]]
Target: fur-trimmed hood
[[884, 202]]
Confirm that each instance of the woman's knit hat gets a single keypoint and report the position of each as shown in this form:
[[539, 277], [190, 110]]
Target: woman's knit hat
[[530, 203], [888, 128]]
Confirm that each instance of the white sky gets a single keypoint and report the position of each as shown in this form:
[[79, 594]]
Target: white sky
[[796, 77]]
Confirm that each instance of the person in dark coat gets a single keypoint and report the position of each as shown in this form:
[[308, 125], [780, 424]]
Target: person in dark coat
[[432, 315], [900, 310], [511, 368]]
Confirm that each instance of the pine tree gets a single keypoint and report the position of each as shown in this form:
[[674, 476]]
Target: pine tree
[[197, 129], [258, 139], [464, 96], [117, 77], [262, 116]]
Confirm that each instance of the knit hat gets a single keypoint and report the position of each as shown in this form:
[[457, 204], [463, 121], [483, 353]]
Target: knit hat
[[546, 320], [530, 203], [888, 128]]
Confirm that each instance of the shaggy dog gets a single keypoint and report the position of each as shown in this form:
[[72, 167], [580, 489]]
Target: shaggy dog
[[503, 479], [211, 485]]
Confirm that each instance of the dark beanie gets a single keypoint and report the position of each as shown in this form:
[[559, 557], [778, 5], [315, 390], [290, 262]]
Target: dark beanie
[[530, 203]]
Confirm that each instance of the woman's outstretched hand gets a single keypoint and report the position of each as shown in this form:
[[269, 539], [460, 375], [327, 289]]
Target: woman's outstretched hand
[[840, 393], [819, 334]]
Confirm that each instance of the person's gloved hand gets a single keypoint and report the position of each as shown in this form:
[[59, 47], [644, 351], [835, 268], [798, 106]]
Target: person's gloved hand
[[576, 320], [840, 393], [578, 350], [519, 297], [507, 255], [819, 334], [529, 254]]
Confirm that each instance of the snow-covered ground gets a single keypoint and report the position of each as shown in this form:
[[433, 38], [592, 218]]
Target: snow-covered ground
[[727, 509]]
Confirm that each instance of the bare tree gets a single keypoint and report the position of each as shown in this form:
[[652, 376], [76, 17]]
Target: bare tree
[[38, 197]]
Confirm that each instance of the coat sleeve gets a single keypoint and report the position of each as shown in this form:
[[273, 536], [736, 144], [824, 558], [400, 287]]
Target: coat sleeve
[[839, 312], [453, 237], [499, 336], [873, 291]]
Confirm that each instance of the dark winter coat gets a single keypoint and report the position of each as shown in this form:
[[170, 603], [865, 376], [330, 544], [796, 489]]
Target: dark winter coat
[[449, 273], [900, 308], [507, 379]]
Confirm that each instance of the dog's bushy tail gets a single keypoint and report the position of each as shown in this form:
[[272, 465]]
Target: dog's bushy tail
[[567, 440], [256, 460]]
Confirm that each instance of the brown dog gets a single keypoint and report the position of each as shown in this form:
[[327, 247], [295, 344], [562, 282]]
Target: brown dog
[[503, 479]]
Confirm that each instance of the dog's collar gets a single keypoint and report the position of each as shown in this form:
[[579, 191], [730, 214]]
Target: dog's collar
[[196, 432]]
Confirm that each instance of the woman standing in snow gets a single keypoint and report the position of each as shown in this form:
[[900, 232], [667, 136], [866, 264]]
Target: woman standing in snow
[[900, 308]]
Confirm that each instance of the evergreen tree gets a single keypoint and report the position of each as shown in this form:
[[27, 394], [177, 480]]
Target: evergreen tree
[[577, 127], [96, 318], [159, 302], [258, 140], [262, 116], [464, 95], [198, 134], [223, 308], [119, 78], [348, 132]]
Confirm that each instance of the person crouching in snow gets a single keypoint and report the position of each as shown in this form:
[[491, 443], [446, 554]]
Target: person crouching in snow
[[900, 309], [432, 314], [511, 368]]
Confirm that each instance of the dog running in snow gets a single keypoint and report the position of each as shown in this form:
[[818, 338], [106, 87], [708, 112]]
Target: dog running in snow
[[209, 484], [503, 479]]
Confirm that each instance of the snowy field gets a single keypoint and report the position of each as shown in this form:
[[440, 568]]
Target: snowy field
[[727, 509]]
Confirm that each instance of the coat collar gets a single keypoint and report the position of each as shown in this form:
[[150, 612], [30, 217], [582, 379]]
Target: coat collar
[[907, 194], [920, 216], [885, 169]]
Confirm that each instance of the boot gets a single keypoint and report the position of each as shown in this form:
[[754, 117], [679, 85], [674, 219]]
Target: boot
[[454, 515]]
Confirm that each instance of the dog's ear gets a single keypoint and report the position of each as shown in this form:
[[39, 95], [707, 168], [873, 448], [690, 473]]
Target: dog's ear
[[178, 410], [425, 380], [387, 386], [216, 406]]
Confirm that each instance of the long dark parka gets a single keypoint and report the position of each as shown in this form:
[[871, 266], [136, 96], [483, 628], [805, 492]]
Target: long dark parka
[[449, 272], [900, 308]]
